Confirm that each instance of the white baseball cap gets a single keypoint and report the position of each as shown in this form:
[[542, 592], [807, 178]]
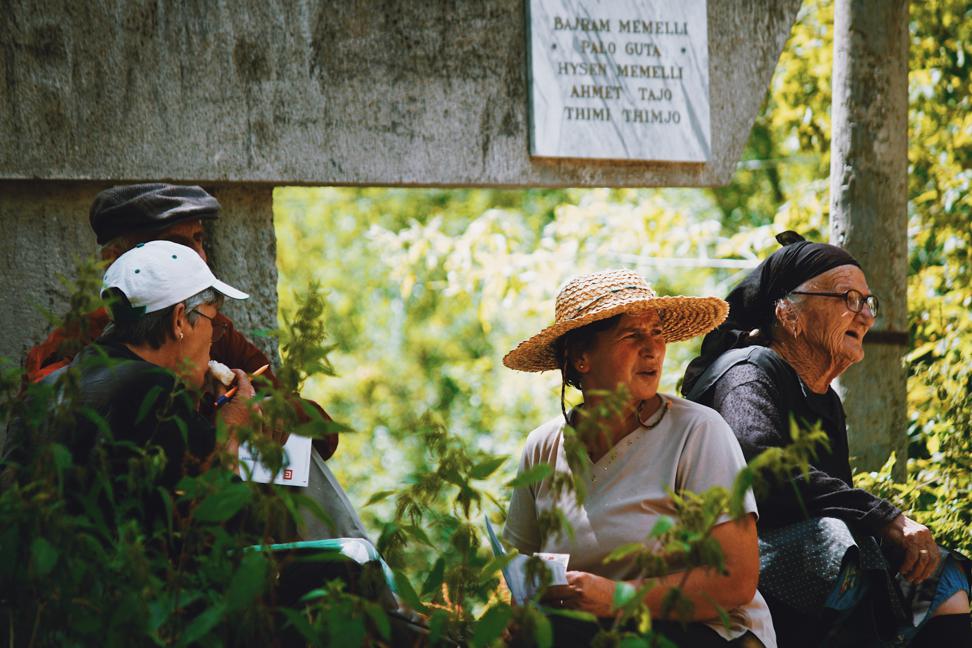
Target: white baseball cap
[[159, 274]]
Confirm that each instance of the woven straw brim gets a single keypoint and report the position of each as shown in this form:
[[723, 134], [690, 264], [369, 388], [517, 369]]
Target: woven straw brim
[[682, 318]]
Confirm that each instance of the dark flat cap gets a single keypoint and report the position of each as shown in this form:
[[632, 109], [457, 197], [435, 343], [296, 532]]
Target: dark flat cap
[[146, 207]]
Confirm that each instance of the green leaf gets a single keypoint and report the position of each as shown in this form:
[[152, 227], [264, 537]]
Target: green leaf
[[542, 630], [625, 550], [662, 525], [418, 533], [486, 468], [496, 564], [147, 402], [407, 592], [379, 496], [740, 487], [623, 594], [248, 581], [297, 619], [321, 428], [437, 625], [166, 498], [61, 456], [223, 504], [43, 556], [314, 594], [434, 580], [720, 611], [380, 619], [201, 625], [578, 615], [531, 476], [491, 624]]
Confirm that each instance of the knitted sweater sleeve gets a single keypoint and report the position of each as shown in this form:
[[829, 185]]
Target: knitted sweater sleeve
[[750, 402]]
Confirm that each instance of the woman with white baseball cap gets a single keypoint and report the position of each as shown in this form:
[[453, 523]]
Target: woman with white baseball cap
[[636, 446], [145, 373]]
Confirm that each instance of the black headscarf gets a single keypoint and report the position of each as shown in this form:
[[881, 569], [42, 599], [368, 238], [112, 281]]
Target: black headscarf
[[752, 304]]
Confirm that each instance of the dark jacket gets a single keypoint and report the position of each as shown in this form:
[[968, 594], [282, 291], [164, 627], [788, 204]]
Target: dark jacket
[[125, 416], [232, 349], [757, 392], [142, 404]]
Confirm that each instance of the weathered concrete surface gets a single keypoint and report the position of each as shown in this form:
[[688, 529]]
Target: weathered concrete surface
[[869, 212], [44, 232], [379, 92], [243, 252], [45, 229]]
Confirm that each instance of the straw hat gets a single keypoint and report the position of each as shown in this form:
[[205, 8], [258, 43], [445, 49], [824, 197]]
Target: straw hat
[[604, 294]]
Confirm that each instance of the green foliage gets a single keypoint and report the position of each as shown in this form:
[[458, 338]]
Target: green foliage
[[95, 550], [444, 282], [420, 293], [940, 290]]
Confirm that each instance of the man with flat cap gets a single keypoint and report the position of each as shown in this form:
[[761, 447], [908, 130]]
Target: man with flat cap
[[124, 216]]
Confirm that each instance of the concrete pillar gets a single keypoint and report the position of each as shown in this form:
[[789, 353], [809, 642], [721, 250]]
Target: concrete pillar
[[868, 212], [243, 252], [45, 230]]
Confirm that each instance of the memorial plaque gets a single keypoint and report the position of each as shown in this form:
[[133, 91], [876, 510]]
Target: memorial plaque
[[619, 79]]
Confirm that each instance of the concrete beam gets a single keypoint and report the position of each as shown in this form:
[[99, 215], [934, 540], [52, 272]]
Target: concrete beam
[[45, 230], [378, 92]]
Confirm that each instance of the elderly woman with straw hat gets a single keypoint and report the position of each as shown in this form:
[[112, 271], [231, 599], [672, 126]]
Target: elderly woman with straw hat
[[608, 340]]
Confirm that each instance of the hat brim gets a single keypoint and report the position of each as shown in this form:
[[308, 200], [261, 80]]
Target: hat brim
[[229, 290], [682, 318]]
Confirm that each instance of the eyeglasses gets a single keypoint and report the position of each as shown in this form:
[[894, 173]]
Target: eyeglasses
[[219, 328], [855, 299]]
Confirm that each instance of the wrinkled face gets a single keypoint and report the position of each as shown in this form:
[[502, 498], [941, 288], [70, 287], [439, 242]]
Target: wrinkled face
[[195, 344], [826, 324], [630, 354], [189, 233]]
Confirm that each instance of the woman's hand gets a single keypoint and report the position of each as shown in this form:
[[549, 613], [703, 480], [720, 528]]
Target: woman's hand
[[584, 591], [236, 412], [921, 554]]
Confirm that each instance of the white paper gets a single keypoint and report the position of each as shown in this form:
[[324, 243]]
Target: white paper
[[296, 464], [515, 574]]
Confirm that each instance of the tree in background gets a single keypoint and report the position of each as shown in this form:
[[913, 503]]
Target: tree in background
[[428, 288]]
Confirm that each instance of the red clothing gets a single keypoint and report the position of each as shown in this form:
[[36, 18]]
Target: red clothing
[[232, 349]]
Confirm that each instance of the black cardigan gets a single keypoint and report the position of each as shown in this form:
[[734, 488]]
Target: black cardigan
[[756, 391]]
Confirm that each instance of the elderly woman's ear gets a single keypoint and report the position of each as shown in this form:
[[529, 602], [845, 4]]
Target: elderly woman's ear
[[787, 317]]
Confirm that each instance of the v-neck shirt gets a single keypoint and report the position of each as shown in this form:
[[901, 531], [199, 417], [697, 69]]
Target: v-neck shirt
[[690, 449]]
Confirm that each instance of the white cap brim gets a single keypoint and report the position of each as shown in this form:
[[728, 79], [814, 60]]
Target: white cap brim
[[229, 290]]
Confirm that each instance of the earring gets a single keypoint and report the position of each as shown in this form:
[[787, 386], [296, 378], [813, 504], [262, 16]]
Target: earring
[[181, 335]]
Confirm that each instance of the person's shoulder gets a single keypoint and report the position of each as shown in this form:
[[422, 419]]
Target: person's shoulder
[[766, 360], [543, 441], [754, 364], [701, 426], [695, 415], [122, 368]]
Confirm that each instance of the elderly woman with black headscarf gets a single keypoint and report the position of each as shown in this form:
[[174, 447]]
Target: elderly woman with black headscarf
[[795, 324], [609, 337]]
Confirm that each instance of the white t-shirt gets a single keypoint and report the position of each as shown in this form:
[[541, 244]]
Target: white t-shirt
[[691, 449]]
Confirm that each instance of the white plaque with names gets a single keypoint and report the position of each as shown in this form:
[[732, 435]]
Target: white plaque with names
[[619, 79]]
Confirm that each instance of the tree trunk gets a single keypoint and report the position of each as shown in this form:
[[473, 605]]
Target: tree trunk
[[868, 212]]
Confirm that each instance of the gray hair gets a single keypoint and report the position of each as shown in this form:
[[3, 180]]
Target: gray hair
[[153, 328], [791, 301]]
